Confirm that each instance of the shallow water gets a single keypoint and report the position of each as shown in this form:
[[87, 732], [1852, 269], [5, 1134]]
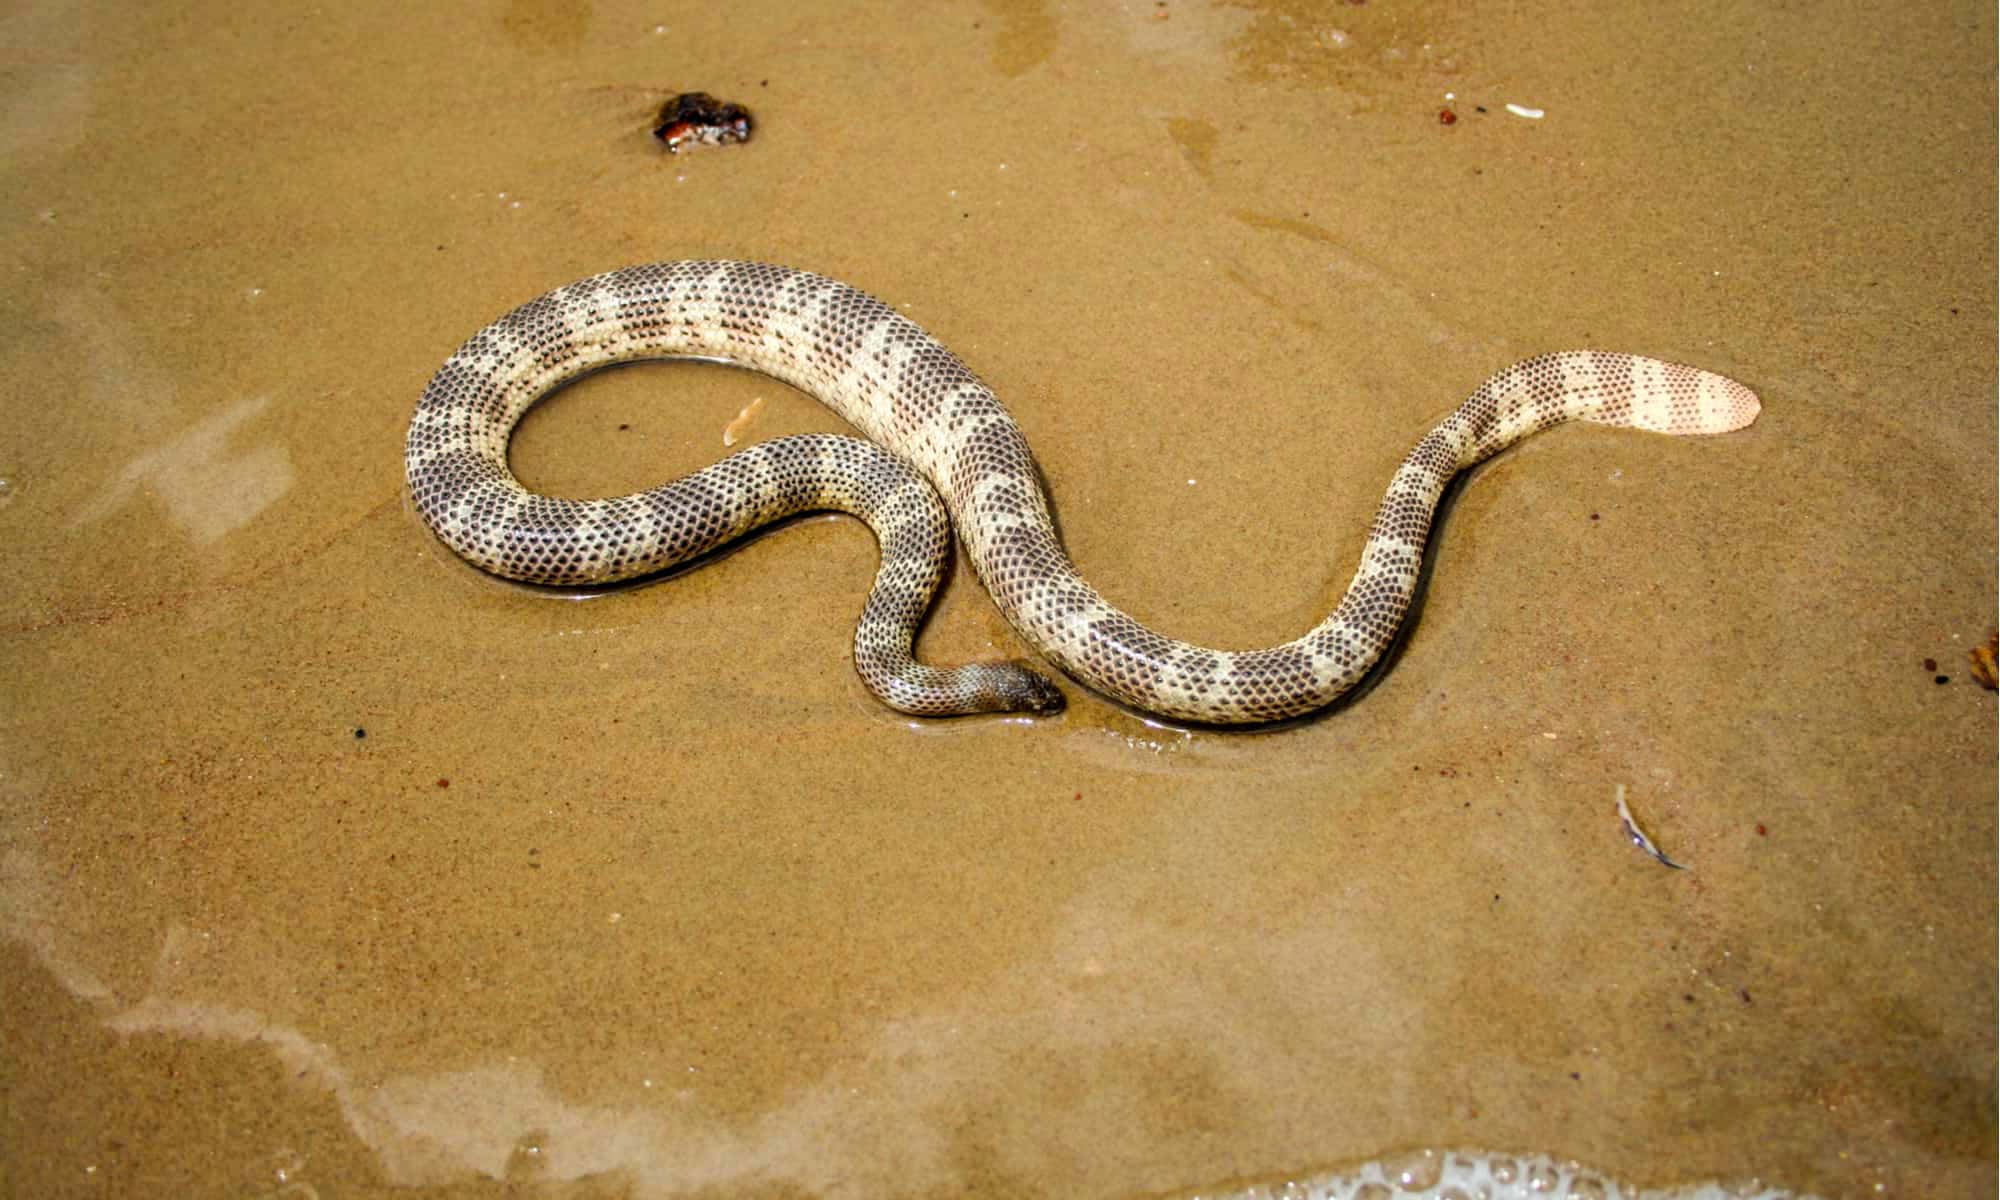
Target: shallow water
[[331, 868]]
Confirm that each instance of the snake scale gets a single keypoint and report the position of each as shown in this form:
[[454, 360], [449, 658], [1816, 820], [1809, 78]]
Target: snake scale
[[942, 454]]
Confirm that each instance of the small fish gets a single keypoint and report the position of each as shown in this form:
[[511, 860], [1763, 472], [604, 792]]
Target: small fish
[[1638, 835]]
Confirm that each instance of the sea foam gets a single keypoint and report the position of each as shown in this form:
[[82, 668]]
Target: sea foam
[[1480, 1175]]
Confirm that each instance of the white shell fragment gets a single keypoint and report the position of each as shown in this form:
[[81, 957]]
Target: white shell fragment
[[1638, 835]]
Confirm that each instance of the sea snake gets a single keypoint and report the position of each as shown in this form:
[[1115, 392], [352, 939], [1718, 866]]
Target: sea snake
[[935, 432]]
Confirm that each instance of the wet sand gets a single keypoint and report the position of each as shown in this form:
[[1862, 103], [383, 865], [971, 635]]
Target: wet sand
[[331, 868]]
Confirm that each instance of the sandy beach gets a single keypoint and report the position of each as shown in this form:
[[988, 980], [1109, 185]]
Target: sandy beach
[[331, 867]]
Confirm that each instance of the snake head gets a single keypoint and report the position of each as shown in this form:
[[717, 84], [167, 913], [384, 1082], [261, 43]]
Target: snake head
[[1024, 689]]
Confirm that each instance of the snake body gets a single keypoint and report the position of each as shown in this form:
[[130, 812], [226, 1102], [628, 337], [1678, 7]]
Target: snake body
[[931, 424]]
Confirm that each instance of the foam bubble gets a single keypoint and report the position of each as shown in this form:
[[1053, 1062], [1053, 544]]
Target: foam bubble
[[1481, 1175]]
